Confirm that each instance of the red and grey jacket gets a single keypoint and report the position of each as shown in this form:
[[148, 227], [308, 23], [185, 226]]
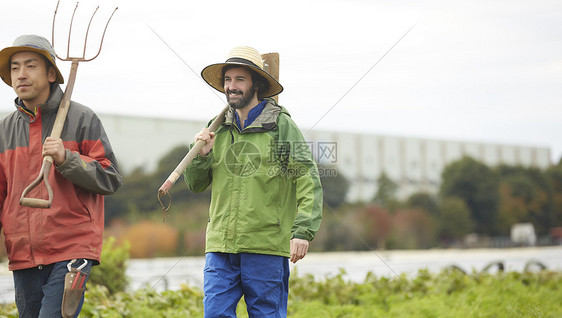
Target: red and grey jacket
[[73, 226]]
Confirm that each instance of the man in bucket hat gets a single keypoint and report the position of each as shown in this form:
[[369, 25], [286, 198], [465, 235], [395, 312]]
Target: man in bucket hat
[[266, 203], [40, 243]]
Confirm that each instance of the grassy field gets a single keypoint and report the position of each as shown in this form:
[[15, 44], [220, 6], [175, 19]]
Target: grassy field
[[450, 293]]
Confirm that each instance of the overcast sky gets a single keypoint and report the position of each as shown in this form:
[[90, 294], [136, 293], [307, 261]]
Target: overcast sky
[[483, 71]]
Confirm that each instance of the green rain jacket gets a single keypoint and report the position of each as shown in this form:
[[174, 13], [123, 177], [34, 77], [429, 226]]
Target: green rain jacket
[[265, 185]]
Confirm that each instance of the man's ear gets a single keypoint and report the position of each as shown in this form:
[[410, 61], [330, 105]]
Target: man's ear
[[52, 74]]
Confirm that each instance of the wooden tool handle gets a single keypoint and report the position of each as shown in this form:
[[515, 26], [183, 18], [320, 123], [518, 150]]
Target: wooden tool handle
[[190, 155], [48, 160], [43, 176]]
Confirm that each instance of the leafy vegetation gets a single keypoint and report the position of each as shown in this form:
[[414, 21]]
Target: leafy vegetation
[[455, 219], [477, 185], [334, 187], [386, 192], [111, 273], [449, 293]]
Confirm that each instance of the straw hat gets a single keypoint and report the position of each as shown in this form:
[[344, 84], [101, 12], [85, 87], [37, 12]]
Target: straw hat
[[27, 43], [243, 56]]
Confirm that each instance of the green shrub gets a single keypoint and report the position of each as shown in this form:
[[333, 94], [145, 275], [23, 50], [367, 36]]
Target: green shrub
[[143, 303], [111, 273], [450, 293]]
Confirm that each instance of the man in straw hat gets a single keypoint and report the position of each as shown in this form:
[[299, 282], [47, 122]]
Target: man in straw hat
[[40, 243], [266, 203]]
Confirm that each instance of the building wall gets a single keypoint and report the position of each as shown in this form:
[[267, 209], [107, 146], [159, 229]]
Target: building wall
[[415, 164], [141, 142]]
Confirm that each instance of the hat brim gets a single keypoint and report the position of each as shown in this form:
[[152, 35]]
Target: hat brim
[[7, 53], [212, 74]]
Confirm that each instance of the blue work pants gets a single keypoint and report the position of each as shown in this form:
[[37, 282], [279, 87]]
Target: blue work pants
[[39, 289], [263, 280]]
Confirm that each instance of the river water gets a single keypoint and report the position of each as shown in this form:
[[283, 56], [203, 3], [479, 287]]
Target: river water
[[171, 273]]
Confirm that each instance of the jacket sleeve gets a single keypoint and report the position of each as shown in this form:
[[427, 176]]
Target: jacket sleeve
[[308, 186], [3, 190], [94, 166], [198, 175]]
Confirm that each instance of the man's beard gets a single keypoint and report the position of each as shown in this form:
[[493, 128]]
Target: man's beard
[[244, 100]]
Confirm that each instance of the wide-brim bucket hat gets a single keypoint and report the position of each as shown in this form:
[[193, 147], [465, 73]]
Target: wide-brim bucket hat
[[242, 56], [27, 43]]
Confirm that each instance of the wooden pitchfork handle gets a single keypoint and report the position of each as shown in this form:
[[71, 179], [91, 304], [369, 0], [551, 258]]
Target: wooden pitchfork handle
[[189, 157], [48, 160]]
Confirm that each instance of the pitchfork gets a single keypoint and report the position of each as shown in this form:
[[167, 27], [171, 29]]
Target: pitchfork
[[62, 112]]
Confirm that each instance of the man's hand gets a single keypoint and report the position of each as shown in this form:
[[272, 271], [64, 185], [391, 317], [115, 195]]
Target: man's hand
[[208, 137], [53, 147], [299, 248]]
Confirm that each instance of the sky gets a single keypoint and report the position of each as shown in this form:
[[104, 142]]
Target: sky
[[481, 71]]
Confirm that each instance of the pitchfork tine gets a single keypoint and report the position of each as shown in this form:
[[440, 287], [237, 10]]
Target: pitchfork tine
[[70, 31], [88, 31], [83, 58], [103, 35], [53, 30]]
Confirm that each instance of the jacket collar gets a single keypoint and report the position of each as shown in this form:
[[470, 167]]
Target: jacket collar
[[265, 121], [53, 102], [51, 105]]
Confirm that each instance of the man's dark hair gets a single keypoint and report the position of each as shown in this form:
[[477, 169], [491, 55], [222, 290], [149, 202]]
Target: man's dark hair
[[48, 63], [259, 82]]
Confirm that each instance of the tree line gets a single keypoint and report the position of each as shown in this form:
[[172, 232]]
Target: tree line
[[487, 201], [473, 198]]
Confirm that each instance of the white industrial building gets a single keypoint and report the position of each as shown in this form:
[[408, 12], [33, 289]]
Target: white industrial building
[[415, 164]]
